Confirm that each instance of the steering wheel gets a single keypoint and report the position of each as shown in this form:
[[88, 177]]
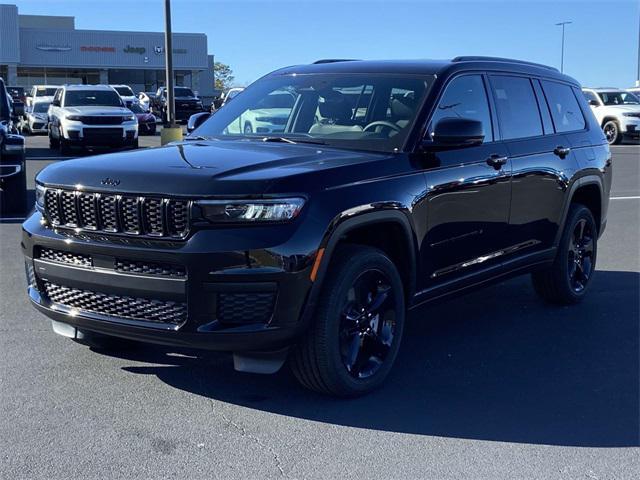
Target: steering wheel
[[382, 123]]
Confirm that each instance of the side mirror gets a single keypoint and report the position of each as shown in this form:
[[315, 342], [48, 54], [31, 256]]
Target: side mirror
[[452, 132], [196, 120], [594, 103]]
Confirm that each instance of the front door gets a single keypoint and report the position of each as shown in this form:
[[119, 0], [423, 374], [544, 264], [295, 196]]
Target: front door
[[468, 191]]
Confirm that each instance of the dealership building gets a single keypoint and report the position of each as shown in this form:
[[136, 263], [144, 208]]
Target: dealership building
[[41, 49]]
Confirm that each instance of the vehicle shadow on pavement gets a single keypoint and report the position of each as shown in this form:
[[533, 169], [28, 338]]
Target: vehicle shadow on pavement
[[497, 364]]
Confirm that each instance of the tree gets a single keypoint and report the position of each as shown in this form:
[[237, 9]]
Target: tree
[[223, 75]]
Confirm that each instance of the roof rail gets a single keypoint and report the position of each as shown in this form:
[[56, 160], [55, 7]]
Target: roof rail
[[333, 60], [500, 59]]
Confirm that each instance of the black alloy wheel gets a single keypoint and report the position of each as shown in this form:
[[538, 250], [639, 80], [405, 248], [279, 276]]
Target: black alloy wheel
[[368, 324], [612, 132], [580, 257]]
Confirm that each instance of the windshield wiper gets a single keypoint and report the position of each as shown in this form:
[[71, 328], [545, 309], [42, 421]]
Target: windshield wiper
[[197, 137], [313, 141], [278, 139]]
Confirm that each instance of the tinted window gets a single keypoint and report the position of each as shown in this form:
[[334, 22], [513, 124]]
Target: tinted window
[[124, 91], [517, 108], [565, 111], [619, 98], [465, 97], [105, 98]]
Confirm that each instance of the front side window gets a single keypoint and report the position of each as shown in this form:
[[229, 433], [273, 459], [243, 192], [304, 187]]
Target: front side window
[[517, 107], [465, 97], [565, 111], [360, 111], [619, 98], [104, 98]]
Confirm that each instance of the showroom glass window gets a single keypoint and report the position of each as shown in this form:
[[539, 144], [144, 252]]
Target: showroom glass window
[[517, 107], [565, 111], [465, 97]]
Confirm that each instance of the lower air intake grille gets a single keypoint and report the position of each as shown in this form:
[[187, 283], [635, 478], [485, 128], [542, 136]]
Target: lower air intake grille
[[69, 258], [150, 268], [250, 307], [157, 311]]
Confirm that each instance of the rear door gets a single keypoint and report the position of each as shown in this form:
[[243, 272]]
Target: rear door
[[468, 190], [541, 160]]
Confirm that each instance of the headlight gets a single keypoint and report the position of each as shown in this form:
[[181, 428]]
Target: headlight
[[250, 211], [631, 114], [129, 118], [75, 118], [40, 197]]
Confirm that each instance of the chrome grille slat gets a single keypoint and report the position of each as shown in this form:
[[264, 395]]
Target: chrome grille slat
[[126, 214]]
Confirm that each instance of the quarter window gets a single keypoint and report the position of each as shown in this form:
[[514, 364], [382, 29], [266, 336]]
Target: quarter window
[[565, 111], [517, 107], [465, 97]]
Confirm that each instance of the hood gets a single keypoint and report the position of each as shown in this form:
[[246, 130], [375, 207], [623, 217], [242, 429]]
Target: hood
[[96, 110], [210, 168], [624, 108]]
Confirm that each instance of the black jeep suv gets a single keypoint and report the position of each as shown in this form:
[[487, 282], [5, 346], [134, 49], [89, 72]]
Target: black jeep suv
[[390, 184]]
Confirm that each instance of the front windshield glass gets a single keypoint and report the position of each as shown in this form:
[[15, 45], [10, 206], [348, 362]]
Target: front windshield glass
[[124, 91], [104, 98], [360, 111], [46, 91], [40, 107], [183, 92], [619, 98]]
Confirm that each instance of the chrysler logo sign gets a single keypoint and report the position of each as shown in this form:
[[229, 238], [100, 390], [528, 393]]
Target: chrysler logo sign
[[53, 48]]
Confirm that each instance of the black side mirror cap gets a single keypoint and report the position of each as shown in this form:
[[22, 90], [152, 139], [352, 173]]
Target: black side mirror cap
[[453, 132], [196, 120], [594, 103]]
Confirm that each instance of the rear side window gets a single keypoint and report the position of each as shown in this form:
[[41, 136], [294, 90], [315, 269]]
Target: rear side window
[[517, 107], [565, 111], [465, 97]]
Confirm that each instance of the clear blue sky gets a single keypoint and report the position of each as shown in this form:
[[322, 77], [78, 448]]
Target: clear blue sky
[[257, 37]]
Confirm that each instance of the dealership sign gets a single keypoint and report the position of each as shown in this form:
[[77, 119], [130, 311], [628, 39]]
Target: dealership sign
[[93, 48], [138, 50], [53, 48]]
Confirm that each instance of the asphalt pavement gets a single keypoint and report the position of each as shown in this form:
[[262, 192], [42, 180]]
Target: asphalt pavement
[[493, 385]]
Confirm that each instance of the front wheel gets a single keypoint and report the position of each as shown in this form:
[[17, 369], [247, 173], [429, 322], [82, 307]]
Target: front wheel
[[567, 280], [53, 142], [355, 336], [612, 132]]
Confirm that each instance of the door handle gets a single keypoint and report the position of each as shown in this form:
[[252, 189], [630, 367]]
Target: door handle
[[497, 161], [561, 151]]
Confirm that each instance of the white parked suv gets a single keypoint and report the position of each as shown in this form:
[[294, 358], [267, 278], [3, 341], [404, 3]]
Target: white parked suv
[[42, 93], [617, 111], [36, 117], [126, 94], [90, 115]]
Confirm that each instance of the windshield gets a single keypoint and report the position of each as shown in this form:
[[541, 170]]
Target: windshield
[[46, 91], [124, 91], [79, 98], [40, 107], [360, 111], [619, 98], [183, 92]]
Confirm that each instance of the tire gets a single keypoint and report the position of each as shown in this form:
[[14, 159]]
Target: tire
[[248, 129], [567, 280], [53, 142], [612, 132], [65, 149], [329, 358]]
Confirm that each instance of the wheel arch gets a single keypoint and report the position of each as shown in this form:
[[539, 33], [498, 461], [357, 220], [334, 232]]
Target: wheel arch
[[354, 230], [589, 191]]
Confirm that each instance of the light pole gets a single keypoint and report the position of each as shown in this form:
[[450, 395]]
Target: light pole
[[562, 24], [638, 72], [169, 131]]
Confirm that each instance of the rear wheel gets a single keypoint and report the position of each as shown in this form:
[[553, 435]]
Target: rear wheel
[[354, 339], [567, 280], [612, 132]]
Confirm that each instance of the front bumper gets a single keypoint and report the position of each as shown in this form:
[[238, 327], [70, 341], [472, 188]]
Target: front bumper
[[234, 300]]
